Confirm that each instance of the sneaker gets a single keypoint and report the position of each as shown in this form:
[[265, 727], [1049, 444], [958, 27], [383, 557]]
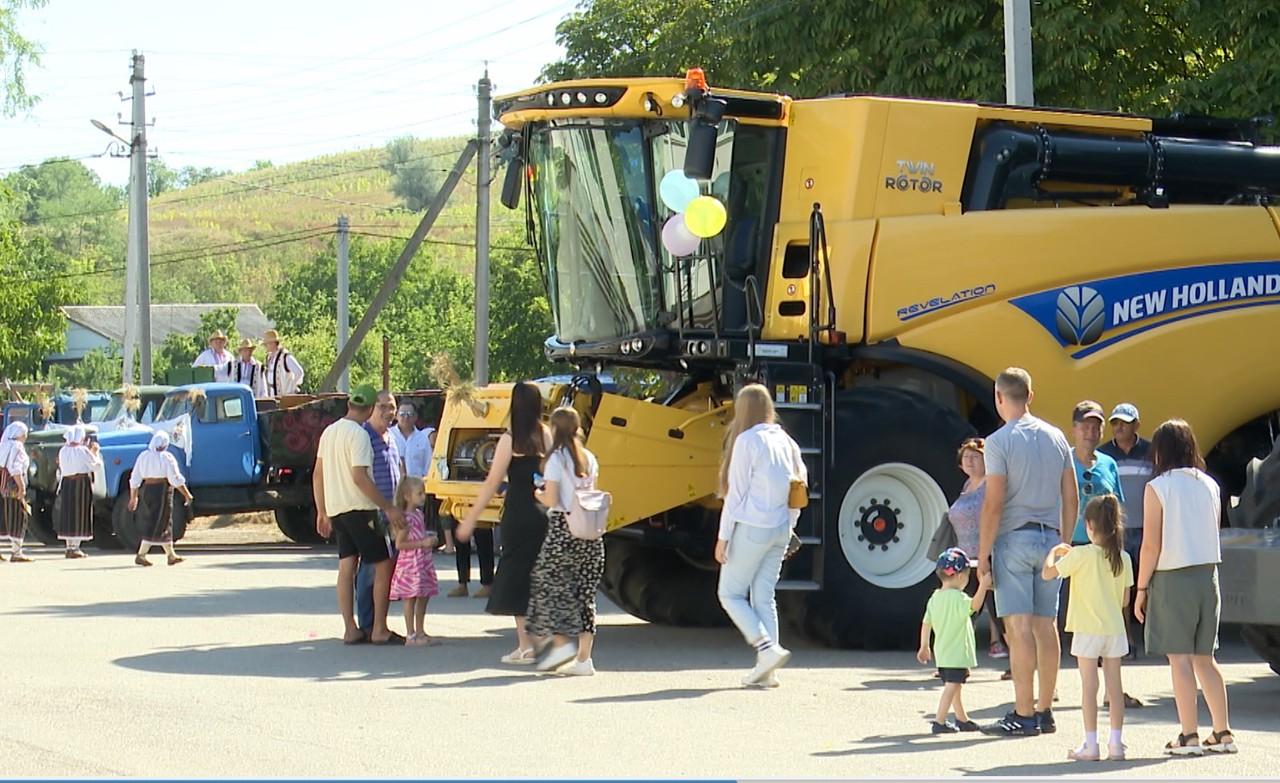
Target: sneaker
[[769, 682], [1013, 725], [458, 592], [558, 656], [944, 728], [967, 725], [1045, 722], [1084, 753], [578, 669], [767, 660], [998, 650], [483, 592]]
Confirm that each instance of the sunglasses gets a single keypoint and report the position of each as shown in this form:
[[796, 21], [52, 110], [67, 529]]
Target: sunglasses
[[1088, 482], [403, 414]]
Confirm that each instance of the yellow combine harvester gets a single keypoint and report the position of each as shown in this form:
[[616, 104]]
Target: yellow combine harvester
[[875, 262]]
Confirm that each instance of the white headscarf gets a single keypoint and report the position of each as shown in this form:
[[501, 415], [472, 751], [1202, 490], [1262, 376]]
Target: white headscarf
[[9, 442], [159, 441], [75, 435]]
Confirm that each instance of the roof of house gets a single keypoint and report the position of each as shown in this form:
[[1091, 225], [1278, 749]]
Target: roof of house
[[166, 319]]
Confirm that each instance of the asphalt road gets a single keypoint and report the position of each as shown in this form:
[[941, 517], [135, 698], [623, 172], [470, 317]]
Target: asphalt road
[[230, 665]]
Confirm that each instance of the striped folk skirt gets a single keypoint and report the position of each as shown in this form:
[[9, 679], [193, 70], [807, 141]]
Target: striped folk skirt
[[155, 513], [14, 513], [75, 513]]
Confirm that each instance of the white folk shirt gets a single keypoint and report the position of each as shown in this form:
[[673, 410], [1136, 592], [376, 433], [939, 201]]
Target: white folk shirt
[[153, 464], [415, 449], [74, 460], [283, 373], [220, 361], [250, 374], [761, 467]]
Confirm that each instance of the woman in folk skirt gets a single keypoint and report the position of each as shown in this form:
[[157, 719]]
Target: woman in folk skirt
[[155, 476], [76, 462], [14, 511], [567, 573]]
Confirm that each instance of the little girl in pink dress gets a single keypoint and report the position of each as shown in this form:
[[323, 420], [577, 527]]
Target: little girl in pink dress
[[415, 575]]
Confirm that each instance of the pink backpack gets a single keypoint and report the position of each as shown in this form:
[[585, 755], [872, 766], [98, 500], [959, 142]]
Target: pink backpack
[[589, 516]]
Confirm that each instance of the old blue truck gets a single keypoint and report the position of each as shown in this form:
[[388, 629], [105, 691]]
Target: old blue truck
[[239, 454], [63, 410]]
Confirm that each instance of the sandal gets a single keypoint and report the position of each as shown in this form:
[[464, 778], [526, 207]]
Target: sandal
[[1132, 703], [1116, 752], [393, 639], [523, 657], [1221, 742], [363, 638], [1182, 746], [1085, 753]]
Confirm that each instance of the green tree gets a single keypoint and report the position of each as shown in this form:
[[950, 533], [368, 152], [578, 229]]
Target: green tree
[[180, 350], [1155, 57], [101, 368], [192, 175], [415, 178], [519, 318], [65, 201], [16, 53], [37, 283], [160, 178]]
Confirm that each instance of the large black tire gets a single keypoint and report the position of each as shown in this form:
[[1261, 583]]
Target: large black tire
[[128, 531], [298, 523], [888, 438], [40, 527], [661, 585], [104, 528], [1259, 506]]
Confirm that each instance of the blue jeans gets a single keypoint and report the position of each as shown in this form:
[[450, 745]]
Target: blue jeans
[[364, 592], [1016, 562], [748, 579]]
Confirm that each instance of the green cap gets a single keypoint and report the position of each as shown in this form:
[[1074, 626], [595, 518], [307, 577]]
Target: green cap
[[364, 396]]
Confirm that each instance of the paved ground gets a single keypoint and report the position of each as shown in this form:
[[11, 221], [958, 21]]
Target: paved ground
[[229, 665]]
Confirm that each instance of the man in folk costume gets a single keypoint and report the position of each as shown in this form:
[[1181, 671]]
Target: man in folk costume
[[155, 476], [216, 356], [14, 511], [248, 370], [77, 461], [283, 372]]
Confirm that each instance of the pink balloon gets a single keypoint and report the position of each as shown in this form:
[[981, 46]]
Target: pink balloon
[[677, 238]]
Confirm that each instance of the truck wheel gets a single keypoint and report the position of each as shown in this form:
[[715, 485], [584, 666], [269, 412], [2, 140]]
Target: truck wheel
[[661, 585], [886, 492], [104, 529], [128, 531], [1259, 506], [298, 523], [41, 525]]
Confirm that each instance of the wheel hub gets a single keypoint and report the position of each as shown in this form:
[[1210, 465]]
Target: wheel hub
[[879, 524]]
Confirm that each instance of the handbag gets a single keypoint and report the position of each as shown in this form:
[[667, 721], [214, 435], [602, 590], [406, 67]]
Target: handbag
[[798, 494], [943, 539], [589, 516]]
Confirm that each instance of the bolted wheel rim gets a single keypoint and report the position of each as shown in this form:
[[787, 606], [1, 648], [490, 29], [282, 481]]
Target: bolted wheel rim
[[887, 518]]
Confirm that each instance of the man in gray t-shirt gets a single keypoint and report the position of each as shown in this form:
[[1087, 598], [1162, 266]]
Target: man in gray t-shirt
[[1031, 500]]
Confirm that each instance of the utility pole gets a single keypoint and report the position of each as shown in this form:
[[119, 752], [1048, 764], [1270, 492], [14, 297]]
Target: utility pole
[[483, 120], [138, 216], [1017, 53], [344, 300]]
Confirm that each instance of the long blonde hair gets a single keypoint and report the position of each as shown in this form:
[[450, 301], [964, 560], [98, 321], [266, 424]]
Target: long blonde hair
[[565, 425], [752, 406]]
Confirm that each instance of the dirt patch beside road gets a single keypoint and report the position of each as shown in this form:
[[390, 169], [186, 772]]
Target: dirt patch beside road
[[226, 529]]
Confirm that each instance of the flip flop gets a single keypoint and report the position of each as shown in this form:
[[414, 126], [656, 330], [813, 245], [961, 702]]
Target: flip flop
[[394, 639], [363, 638]]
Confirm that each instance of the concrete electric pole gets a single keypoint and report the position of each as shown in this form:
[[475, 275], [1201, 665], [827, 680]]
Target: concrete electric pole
[[1017, 53], [344, 299], [483, 120]]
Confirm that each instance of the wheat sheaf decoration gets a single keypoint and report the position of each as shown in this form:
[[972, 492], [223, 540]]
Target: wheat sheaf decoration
[[459, 391], [45, 404], [132, 398], [79, 399]]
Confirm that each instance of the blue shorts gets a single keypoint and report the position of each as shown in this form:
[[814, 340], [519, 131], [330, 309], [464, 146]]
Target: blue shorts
[[1016, 562]]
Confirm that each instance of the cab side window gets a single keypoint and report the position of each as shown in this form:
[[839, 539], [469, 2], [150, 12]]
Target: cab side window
[[230, 409]]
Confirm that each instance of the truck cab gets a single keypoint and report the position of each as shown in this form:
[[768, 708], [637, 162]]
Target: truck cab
[[64, 411]]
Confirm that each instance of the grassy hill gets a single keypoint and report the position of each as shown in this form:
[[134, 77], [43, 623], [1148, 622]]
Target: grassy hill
[[232, 238]]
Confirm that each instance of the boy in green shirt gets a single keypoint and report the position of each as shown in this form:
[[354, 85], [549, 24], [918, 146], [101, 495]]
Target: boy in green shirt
[[949, 618]]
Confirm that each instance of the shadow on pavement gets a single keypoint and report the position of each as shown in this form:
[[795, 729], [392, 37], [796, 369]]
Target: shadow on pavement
[[670, 694], [1062, 768], [214, 603]]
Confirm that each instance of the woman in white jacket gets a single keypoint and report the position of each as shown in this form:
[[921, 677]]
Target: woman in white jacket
[[760, 461]]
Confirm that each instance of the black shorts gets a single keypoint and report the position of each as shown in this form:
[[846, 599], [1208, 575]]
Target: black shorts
[[953, 675], [358, 535]]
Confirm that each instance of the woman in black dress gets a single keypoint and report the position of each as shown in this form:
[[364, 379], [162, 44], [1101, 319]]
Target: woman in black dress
[[524, 521]]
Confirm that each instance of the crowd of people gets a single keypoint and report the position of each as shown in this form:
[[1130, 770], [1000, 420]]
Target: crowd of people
[[280, 374]]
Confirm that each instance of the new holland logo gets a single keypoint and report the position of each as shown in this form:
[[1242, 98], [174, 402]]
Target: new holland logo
[[1081, 316]]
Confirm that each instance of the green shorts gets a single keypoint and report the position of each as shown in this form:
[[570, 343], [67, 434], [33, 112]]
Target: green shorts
[[1183, 606]]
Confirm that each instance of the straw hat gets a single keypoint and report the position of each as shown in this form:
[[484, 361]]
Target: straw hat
[[246, 344], [217, 335], [271, 336]]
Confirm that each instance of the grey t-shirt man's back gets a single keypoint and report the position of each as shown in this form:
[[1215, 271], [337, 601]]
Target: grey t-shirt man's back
[[1031, 454]]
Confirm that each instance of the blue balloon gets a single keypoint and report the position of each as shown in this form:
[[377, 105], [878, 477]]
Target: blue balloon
[[677, 190]]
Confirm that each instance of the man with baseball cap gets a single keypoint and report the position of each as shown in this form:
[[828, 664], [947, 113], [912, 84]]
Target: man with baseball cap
[[1132, 454], [347, 504], [1096, 473]]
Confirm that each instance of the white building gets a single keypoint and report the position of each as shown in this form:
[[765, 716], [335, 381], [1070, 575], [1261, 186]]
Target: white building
[[92, 328]]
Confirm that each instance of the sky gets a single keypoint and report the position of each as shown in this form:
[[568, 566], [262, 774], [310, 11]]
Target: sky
[[281, 80]]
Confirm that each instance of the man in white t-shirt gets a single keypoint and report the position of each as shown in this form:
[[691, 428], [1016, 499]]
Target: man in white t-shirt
[[347, 504]]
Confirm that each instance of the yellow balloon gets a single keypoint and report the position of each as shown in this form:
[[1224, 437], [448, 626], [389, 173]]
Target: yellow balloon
[[705, 216]]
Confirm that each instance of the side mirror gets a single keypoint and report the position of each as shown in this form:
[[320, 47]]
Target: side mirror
[[511, 183], [700, 155]]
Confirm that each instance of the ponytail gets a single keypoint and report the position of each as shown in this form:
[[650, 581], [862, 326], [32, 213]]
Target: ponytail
[[1107, 520]]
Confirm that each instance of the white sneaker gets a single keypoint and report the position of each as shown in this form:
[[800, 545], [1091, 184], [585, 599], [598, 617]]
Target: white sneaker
[[769, 682], [767, 661], [558, 656], [578, 669]]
